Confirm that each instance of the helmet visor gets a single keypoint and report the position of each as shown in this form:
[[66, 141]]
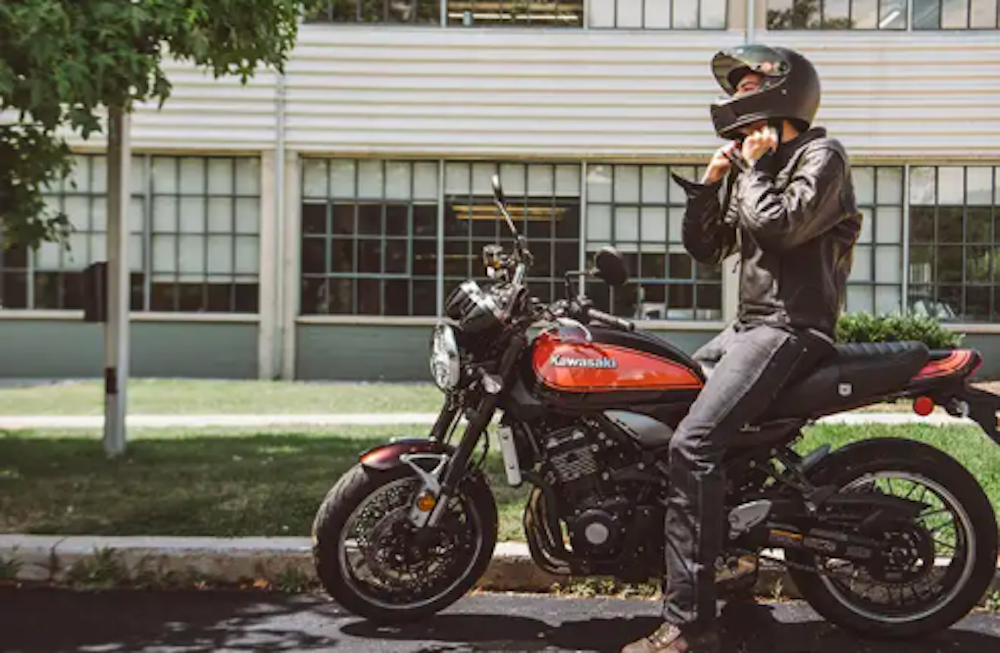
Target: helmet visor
[[730, 66]]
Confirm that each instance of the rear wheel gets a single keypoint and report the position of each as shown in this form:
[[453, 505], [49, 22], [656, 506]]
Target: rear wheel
[[376, 564], [942, 562]]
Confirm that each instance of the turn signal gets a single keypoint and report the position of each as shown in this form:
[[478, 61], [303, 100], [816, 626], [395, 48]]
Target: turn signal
[[923, 406], [426, 502]]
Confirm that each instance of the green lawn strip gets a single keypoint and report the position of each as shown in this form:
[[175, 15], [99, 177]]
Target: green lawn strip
[[252, 483], [197, 397]]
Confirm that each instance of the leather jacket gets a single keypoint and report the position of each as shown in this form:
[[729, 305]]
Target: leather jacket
[[794, 219]]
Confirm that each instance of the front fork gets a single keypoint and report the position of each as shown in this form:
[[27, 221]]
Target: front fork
[[440, 483]]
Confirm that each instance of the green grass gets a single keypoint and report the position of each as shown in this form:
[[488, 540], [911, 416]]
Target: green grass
[[194, 397], [252, 482]]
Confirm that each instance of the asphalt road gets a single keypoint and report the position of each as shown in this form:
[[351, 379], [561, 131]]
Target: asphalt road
[[53, 621]]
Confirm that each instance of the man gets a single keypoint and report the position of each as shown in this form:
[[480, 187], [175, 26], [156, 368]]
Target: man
[[790, 212]]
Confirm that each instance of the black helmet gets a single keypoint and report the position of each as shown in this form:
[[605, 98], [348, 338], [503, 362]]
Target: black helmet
[[789, 90]]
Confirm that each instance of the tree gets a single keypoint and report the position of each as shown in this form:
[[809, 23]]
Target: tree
[[63, 61]]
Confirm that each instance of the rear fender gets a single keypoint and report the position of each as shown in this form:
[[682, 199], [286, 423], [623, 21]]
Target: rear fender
[[980, 406], [387, 455]]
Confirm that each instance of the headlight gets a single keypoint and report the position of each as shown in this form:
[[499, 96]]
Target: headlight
[[445, 365]]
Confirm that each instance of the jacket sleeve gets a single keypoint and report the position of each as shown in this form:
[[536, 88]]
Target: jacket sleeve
[[809, 206], [706, 236]]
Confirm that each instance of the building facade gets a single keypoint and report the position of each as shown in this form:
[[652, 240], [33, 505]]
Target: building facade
[[309, 225]]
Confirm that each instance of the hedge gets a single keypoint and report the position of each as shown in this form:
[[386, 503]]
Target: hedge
[[865, 327]]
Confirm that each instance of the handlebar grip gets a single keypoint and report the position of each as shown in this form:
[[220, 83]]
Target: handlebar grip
[[613, 320]]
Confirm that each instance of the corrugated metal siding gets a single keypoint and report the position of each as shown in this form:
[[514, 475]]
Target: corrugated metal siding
[[204, 113], [914, 96], [576, 94], [491, 92]]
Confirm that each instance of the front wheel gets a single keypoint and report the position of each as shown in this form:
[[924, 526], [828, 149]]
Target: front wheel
[[376, 564], [943, 561]]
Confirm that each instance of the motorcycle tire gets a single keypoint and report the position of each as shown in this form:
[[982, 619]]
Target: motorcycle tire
[[338, 506], [902, 455]]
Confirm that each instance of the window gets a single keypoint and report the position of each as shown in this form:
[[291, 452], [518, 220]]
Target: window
[[516, 13], [639, 210], [369, 237], [194, 229], [613, 14], [659, 14], [544, 202], [875, 284], [881, 14], [378, 11], [954, 244]]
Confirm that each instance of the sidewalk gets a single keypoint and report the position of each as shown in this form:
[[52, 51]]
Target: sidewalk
[[49, 558], [73, 422]]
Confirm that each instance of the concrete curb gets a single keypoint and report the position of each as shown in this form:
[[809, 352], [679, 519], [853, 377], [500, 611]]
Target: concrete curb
[[56, 559], [94, 422]]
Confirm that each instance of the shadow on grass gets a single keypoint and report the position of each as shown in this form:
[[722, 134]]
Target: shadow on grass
[[201, 485]]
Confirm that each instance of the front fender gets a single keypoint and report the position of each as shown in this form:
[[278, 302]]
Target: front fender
[[386, 455]]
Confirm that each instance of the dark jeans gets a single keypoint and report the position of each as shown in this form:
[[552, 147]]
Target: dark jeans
[[751, 364]]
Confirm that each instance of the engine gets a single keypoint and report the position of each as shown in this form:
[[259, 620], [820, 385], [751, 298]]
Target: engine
[[579, 459]]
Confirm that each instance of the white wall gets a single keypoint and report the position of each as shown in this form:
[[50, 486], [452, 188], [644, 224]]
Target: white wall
[[580, 94]]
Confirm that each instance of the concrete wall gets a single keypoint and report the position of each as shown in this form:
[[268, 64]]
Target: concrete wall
[[70, 349]]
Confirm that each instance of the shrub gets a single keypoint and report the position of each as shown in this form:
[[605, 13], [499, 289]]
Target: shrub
[[865, 327]]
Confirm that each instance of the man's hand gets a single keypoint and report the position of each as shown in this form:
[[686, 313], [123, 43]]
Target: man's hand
[[719, 164], [759, 142]]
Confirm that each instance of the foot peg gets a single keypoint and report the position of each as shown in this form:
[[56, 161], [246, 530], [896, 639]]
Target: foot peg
[[744, 517]]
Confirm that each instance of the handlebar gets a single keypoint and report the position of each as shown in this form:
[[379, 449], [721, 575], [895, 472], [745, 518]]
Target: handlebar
[[611, 320]]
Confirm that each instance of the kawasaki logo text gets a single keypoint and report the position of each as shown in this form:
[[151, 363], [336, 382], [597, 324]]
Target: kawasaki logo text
[[596, 363]]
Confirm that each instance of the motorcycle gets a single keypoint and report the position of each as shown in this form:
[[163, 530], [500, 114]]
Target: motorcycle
[[885, 537]]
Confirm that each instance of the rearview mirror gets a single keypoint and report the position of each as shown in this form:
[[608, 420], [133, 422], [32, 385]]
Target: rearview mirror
[[498, 190], [611, 267]]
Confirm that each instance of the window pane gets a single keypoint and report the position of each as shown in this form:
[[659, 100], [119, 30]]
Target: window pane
[[599, 183], [370, 179], [598, 223], [864, 14], [922, 224], [626, 184], [654, 185], [425, 182], [984, 14], [889, 265], [949, 224], [835, 14], [78, 180], [979, 189], [247, 175], [247, 215], [951, 185], [892, 14], [567, 181], [657, 13], [541, 180], [978, 225], [889, 225], [192, 215], [926, 14], [425, 219], [98, 174], [654, 225], [955, 14], [220, 255], [685, 15], [629, 14], [862, 268], [867, 228], [192, 172], [713, 14], [314, 178], [220, 177], [601, 14], [192, 255], [342, 179], [949, 263], [247, 255], [627, 225], [888, 299], [860, 298], [864, 184], [890, 186], [220, 215], [397, 185], [922, 186], [977, 265], [165, 214], [457, 179]]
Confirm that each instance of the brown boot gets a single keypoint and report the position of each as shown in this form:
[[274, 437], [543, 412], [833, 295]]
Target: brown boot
[[668, 638]]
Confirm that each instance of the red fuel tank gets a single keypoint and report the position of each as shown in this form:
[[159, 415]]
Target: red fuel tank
[[587, 360]]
